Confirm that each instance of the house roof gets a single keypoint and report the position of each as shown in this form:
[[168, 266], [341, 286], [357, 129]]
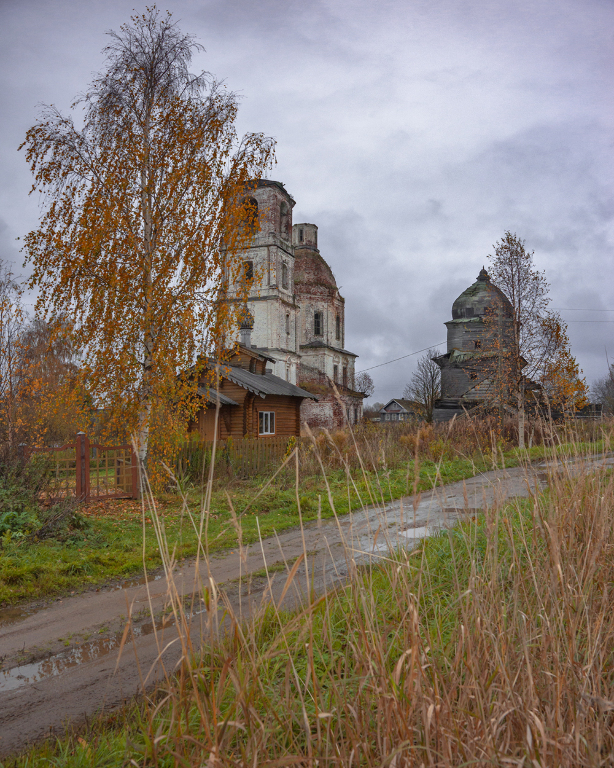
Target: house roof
[[256, 352], [263, 385], [212, 396], [406, 405]]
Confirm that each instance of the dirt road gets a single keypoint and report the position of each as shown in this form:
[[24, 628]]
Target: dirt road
[[60, 664]]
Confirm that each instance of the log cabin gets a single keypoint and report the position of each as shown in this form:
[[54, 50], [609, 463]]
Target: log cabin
[[253, 401]]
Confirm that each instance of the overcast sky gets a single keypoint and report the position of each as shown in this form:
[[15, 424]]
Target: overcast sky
[[412, 133]]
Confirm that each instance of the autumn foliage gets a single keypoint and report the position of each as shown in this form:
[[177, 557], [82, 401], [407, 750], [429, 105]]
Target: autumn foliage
[[142, 224], [532, 358]]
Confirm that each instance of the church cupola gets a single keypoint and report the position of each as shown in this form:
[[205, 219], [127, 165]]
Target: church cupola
[[305, 236]]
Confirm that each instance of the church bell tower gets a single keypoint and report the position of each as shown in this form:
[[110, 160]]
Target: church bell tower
[[270, 258]]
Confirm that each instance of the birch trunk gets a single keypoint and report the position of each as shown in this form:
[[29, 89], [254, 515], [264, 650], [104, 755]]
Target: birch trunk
[[520, 417], [148, 330]]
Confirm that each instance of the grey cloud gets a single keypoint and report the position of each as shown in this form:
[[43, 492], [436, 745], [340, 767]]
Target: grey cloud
[[413, 134]]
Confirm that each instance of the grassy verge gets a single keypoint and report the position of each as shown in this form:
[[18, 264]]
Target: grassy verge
[[109, 543], [491, 645]]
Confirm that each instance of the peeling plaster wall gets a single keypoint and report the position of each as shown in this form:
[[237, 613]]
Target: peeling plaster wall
[[292, 282]]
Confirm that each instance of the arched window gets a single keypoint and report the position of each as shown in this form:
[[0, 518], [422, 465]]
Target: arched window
[[284, 275], [301, 235], [337, 327]]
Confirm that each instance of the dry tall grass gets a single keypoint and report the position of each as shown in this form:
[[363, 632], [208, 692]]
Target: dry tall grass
[[491, 645]]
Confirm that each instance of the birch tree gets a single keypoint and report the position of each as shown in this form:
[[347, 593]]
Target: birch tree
[[142, 221], [535, 346], [11, 323]]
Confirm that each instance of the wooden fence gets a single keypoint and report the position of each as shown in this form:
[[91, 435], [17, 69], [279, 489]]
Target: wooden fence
[[242, 458], [88, 471]]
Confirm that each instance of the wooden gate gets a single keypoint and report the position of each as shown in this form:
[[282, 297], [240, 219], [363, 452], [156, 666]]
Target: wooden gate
[[88, 471]]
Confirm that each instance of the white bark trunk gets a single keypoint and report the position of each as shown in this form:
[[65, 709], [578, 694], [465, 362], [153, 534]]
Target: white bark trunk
[[143, 432], [520, 418], [148, 330]]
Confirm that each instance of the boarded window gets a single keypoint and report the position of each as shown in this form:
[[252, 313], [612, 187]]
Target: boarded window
[[284, 221], [317, 323], [345, 377], [266, 422]]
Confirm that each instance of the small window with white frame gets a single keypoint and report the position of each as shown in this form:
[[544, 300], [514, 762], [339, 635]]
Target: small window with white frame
[[266, 422]]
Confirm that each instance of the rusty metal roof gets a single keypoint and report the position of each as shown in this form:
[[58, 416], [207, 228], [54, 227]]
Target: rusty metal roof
[[263, 385]]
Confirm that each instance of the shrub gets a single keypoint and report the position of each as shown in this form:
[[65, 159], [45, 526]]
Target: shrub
[[21, 482]]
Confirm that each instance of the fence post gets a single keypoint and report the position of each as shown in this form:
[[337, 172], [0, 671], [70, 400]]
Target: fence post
[[82, 451], [135, 474]]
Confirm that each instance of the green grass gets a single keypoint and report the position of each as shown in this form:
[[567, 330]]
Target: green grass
[[112, 742], [108, 548], [501, 620]]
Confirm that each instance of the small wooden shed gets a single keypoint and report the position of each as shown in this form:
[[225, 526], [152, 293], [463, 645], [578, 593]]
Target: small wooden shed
[[253, 401]]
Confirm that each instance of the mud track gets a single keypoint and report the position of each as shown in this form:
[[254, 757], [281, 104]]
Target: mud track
[[61, 664]]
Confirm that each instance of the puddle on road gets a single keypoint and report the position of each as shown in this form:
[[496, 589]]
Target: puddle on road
[[26, 674], [136, 582], [11, 615]]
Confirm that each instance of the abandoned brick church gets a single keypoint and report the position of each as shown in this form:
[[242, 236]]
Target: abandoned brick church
[[297, 315], [467, 365]]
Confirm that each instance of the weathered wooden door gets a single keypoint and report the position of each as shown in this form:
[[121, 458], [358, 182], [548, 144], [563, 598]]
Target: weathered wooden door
[[206, 424]]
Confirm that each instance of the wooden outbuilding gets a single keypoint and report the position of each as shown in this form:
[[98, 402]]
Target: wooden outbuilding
[[253, 402]]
